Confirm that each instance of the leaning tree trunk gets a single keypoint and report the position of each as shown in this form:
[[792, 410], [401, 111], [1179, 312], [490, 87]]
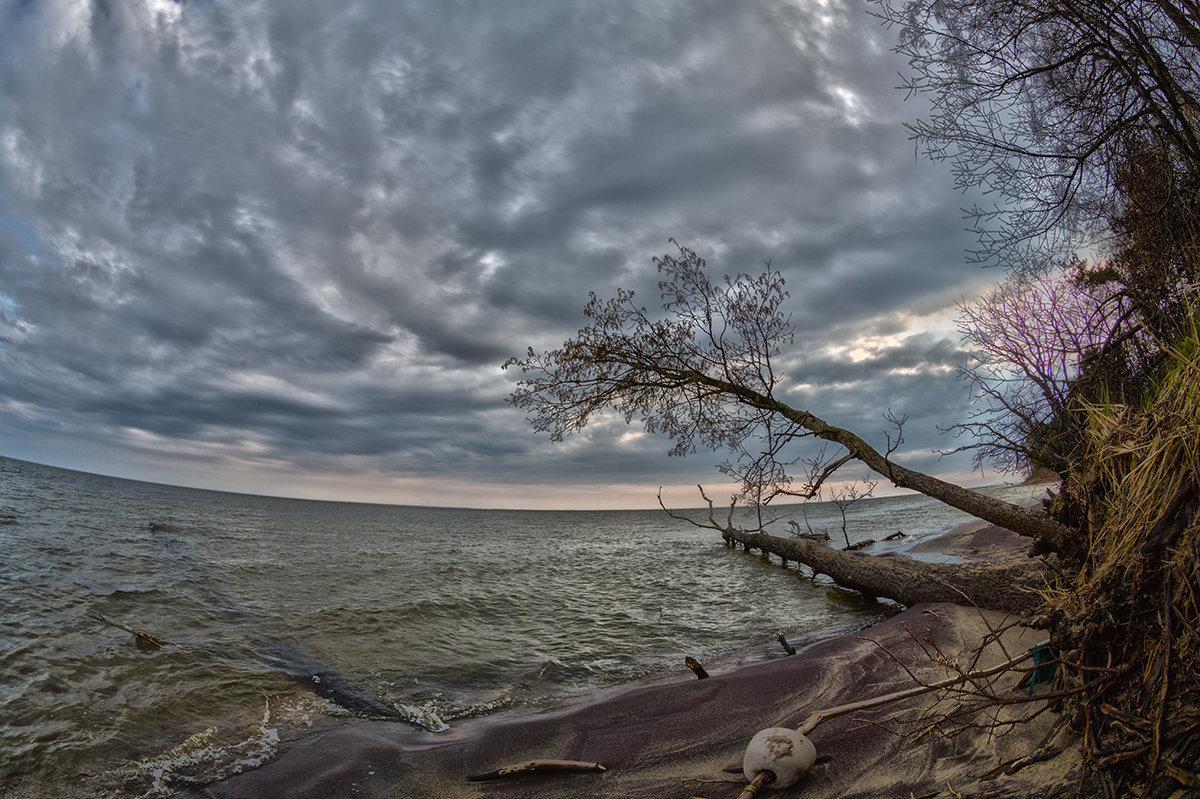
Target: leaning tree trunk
[[1008, 585], [1023, 521]]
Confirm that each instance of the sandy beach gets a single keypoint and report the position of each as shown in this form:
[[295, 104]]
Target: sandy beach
[[678, 738]]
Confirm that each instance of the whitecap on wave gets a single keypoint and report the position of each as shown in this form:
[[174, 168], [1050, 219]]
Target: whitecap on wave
[[202, 758]]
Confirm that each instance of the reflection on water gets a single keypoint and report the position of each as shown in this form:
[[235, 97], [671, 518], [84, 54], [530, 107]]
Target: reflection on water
[[436, 614]]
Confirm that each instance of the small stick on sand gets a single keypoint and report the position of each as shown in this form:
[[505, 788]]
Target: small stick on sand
[[537, 767]]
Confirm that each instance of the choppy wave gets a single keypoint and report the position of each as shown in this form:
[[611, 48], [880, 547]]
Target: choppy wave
[[200, 759]]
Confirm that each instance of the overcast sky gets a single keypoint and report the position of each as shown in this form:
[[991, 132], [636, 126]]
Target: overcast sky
[[283, 246]]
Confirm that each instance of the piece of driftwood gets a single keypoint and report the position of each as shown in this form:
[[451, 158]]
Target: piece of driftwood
[[142, 638], [859, 545], [791, 650], [755, 785], [695, 666], [544, 766]]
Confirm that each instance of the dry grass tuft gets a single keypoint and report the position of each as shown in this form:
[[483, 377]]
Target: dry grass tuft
[[1127, 624]]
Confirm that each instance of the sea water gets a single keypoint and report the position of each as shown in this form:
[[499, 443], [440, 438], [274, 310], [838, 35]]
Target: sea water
[[442, 614]]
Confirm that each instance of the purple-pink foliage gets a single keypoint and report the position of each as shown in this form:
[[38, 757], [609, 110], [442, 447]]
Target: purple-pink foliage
[[1030, 340]]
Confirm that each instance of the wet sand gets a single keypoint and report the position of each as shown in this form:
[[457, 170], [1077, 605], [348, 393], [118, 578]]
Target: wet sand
[[977, 540], [676, 738]]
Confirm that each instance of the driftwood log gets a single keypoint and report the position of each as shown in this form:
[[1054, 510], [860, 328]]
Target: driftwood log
[[1008, 585]]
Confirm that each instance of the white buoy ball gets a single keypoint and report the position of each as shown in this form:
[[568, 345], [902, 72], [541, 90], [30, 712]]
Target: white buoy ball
[[785, 753]]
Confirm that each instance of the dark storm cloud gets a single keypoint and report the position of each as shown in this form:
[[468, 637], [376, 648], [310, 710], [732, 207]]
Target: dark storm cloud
[[306, 234]]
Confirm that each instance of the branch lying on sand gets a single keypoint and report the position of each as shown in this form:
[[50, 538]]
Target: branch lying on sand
[[537, 767], [764, 778], [818, 716]]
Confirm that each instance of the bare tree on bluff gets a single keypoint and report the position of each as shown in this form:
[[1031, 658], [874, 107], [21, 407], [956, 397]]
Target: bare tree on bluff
[[705, 375], [1042, 103]]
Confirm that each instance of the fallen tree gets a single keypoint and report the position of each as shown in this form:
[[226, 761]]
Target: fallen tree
[[1011, 585], [704, 375]]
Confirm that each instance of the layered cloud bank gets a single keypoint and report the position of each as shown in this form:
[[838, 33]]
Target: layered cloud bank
[[282, 247]]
